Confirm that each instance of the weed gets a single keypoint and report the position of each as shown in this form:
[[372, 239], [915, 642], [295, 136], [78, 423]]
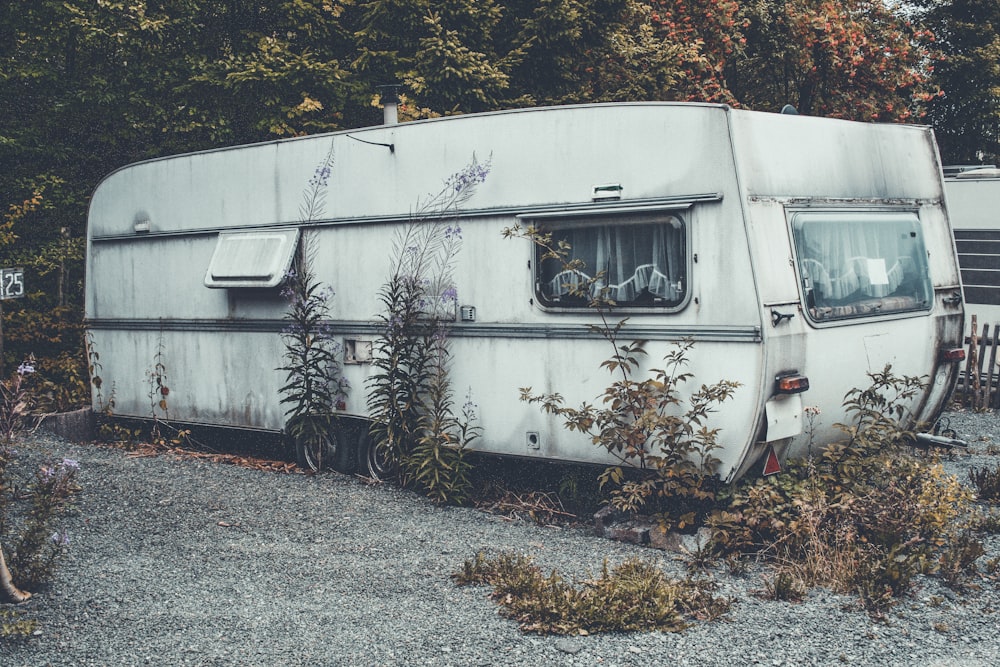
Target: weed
[[40, 545], [94, 369], [15, 401], [736, 564], [633, 596], [861, 516], [958, 559], [701, 558], [35, 543], [784, 585], [14, 625], [122, 436], [156, 378], [314, 387], [986, 482], [415, 431]]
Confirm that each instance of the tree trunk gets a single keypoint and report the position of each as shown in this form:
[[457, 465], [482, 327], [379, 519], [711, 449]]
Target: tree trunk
[[8, 591]]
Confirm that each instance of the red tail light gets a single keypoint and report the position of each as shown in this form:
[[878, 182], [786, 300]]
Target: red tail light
[[953, 354], [792, 383]]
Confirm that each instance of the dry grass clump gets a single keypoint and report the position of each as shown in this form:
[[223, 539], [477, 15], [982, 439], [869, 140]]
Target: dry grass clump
[[635, 595]]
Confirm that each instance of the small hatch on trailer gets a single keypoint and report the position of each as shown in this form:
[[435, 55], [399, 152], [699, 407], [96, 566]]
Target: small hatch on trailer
[[251, 259]]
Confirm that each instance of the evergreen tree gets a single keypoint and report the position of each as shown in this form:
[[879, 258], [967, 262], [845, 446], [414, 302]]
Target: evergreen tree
[[966, 116]]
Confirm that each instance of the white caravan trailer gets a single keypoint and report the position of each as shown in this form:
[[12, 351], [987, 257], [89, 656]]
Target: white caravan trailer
[[784, 246], [973, 198]]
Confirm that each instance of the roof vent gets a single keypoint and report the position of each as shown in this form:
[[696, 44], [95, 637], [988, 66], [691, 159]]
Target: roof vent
[[390, 103]]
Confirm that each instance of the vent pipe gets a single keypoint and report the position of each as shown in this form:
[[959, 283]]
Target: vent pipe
[[390, 103]]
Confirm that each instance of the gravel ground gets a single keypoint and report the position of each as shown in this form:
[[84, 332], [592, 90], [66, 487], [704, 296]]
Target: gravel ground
[[186, 562]]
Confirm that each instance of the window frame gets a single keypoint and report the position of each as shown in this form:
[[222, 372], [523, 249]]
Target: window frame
[[867, 309], [624, 216]]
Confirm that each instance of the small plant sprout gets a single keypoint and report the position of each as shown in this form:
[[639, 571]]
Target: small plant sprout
[[15, 401]]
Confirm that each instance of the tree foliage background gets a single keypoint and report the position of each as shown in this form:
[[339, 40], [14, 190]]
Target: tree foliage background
[[87, 86]]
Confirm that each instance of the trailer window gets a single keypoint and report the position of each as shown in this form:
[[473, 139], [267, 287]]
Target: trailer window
[[251, 259], [861, 264], [638, 262]]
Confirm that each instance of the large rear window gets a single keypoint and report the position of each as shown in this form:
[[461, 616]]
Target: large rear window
[[861, 264]]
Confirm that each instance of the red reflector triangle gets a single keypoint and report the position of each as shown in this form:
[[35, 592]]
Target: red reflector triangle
[[771, 465]]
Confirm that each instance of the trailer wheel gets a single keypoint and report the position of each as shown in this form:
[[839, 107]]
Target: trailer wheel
[[334, 448], [316, 451], [377, 461], [345, 458]]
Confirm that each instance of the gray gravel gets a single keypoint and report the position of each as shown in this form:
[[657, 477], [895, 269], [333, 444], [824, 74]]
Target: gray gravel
[[181, 562]]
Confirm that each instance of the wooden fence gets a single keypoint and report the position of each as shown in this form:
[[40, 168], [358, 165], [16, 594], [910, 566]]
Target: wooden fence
[[979, 381]]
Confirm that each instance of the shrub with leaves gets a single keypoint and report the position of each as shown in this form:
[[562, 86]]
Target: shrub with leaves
[[62, 383], [863, 516], [633, 596], [662, 439], [664, 443], [415, 431]]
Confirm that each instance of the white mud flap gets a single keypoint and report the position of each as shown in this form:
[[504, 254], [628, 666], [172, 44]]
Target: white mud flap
[[784, 417]]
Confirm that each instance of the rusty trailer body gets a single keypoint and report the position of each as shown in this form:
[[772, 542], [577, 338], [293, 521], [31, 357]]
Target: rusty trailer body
[[779, 244]]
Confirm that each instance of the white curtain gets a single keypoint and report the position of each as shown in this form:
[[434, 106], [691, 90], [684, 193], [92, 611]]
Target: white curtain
[[845, 262], [629, 261]]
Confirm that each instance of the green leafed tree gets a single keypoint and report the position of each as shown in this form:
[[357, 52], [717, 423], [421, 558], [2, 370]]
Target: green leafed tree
[[443, 53], [90, 86], [854, 59], [966, 67]]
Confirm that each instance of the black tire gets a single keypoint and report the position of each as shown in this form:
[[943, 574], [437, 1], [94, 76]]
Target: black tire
[[347, 434], [377, 462], [316, 452], [336, 448]]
